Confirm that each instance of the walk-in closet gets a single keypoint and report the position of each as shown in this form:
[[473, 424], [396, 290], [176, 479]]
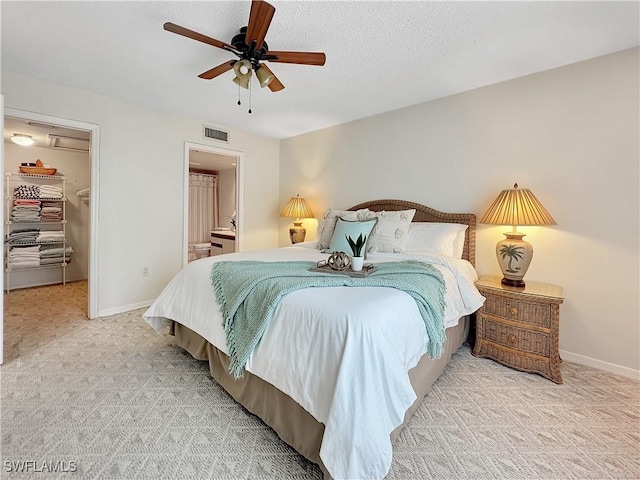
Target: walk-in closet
[[47, 175]]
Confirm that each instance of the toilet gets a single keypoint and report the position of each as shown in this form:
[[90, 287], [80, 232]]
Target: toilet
[[199, 250]]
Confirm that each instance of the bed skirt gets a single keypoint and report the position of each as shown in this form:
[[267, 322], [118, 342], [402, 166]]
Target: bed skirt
[[293, 424]]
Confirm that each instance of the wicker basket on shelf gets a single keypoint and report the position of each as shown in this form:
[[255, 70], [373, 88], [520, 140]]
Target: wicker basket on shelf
[[38, 170]]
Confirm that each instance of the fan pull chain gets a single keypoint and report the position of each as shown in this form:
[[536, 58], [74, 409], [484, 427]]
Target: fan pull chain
[[239, 102], [249, 97]]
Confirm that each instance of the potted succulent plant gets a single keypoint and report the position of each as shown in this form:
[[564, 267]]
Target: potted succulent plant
[[357, 248]]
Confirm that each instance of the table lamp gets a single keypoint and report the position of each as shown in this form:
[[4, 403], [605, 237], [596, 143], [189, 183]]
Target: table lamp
[[515, 207], [297, 208]]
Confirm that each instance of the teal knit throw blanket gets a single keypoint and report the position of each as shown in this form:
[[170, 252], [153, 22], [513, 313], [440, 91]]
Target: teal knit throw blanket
[[249, 291]]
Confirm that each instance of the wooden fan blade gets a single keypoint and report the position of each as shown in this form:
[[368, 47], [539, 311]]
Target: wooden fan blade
[[275, 85], [185, 32], [259, 21], [219, 70], [301, 58]]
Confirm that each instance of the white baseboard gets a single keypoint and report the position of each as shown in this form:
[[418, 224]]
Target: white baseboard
[[600, 365], [124, 308]]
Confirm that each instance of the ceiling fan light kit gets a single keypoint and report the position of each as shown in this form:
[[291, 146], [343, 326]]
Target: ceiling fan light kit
[[251, 49], [264, 77], [242, 69]]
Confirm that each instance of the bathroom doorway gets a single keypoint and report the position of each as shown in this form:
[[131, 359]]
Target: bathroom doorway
[[213, 210]]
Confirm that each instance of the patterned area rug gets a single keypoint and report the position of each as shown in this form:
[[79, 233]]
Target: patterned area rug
[[109, 398]]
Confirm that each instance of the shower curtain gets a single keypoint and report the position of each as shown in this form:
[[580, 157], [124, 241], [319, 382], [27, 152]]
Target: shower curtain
[[203, 207]]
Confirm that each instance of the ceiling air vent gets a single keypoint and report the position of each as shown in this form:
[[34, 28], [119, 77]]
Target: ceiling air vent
[[72, 144], [215, 134]]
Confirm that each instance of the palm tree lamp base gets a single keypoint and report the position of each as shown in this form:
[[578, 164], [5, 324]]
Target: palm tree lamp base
[[297, 233], [514, 257]]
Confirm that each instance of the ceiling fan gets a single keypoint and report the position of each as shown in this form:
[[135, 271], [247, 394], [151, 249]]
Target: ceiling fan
[[251, 49]]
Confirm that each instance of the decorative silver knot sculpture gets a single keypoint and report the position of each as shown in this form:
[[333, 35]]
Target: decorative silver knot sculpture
[[339, 261]]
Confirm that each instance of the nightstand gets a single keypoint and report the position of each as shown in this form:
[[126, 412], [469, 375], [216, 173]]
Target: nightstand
[[519, 327]]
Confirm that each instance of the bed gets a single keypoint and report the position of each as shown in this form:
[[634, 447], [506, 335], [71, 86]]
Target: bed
[[331, 376]]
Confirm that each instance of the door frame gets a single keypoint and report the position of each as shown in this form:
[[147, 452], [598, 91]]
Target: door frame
[[3, 226], [239, 156], [94, 159]]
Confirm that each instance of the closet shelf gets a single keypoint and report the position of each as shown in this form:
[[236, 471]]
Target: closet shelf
[[42, 199], [39, 267], [27, 221], [36, 242], [34, 175], [13, 222]]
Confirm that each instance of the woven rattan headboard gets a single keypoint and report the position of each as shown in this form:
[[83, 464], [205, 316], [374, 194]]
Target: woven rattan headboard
[[426, 214]]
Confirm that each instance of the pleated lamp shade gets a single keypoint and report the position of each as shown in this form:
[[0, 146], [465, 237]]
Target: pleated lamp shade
[[515, 207], [297, 208]]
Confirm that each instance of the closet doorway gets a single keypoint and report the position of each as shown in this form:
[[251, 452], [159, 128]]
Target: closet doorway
[[213, 208], [71, 147]]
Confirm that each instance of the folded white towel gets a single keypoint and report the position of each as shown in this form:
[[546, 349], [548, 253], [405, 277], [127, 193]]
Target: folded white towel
[[33, 248], [30, 264], [48, 235]]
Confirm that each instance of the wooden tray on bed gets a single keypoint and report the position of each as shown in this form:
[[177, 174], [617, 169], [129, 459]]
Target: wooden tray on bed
[[365, 272]]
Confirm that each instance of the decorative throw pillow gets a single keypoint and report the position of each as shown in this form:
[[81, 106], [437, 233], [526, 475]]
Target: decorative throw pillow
[[391, 232], [328, 225], [443, 238], [344, 229]]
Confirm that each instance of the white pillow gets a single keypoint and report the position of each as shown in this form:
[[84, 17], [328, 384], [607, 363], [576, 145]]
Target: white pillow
[[329, 224], [443, 238], [391, 232]]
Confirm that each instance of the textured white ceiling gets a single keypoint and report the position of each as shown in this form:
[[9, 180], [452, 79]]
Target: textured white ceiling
[[380, 55]]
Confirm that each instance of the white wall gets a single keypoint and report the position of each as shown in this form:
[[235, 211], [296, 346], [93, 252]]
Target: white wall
[[227, 195], [141, 184], [76, 167], [571, 135]]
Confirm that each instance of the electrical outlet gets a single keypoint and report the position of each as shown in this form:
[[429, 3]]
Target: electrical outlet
[[145, 271]]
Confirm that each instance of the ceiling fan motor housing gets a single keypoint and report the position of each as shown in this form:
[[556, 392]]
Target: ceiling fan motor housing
[[238, 42]]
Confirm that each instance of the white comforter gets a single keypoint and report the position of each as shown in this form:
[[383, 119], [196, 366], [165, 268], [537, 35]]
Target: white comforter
[[342, 353]]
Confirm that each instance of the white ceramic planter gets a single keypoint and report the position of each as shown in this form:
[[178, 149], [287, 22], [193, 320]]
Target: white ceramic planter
[[356, 263]]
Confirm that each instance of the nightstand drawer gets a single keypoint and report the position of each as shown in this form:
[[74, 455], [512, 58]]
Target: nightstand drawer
[[517, 310], [510, 336]]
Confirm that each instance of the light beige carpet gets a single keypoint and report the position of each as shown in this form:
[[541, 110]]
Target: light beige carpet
[[114, 400]]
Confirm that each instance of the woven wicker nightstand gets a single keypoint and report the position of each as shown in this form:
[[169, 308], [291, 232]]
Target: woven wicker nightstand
[[518, 327]]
